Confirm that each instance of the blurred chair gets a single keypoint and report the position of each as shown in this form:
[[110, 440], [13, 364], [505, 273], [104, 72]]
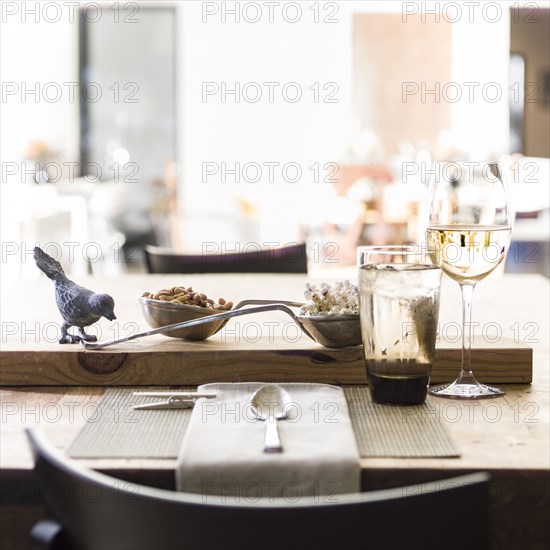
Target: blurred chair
[[288, 259], [96, 512]]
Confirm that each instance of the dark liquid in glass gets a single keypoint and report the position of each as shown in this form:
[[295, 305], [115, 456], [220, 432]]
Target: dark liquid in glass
[[399, 389]]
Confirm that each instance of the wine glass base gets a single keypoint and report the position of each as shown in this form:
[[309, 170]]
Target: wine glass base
[[466, 391]]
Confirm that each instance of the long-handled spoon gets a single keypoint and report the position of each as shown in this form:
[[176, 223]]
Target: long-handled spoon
[[331, 331], [235, 312]]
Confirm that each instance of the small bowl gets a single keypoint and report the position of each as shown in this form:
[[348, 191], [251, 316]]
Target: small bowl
[[159, 314], [333, 331]]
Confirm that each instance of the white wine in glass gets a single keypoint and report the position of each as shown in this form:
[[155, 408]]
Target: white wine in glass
[[469, 233], [469, 252]]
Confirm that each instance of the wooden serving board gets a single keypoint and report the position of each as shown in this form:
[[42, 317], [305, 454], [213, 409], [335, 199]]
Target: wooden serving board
[[160, 360], [266, 347]]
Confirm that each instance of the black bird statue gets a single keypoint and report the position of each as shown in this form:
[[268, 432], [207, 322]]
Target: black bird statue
[[78, 306]]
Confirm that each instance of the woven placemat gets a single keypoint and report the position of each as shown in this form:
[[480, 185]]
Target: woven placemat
[[118, 431], [381, 431], [397, 431]]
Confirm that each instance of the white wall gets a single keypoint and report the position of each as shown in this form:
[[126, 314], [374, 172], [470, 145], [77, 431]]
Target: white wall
[[40, 52], [304, 132]]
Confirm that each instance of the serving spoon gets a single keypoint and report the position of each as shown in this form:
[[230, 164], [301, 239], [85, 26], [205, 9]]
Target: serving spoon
[[271, 403], [331, 331], [237, 311]]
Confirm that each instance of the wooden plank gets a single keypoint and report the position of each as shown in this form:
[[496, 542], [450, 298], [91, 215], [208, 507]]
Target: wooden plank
[[262, 347], [163, 361], [504, 362]]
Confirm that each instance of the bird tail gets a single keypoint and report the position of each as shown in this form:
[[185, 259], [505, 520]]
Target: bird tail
[[51, 267]]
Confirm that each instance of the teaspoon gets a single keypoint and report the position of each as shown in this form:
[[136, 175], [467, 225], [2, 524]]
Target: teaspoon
[[271, 403]]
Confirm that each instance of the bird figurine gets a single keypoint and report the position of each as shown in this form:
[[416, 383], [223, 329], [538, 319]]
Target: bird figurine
[[78, 306]]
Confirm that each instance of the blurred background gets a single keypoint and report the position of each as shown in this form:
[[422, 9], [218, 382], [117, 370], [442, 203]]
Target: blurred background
[[227, 126]]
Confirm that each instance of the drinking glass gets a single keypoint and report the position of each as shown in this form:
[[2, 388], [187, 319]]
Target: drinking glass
[[399, 306], [469, 228]]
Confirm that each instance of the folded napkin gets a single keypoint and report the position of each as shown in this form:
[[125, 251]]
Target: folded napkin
[[222, 450]]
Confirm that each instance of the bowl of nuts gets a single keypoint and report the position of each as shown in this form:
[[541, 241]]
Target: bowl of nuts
[[178, 304]]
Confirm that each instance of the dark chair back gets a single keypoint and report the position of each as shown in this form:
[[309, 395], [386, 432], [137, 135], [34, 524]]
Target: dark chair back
[[288, 259], [99, 512]]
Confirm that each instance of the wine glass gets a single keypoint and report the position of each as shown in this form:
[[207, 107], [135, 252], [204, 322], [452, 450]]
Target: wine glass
[[469, 230]]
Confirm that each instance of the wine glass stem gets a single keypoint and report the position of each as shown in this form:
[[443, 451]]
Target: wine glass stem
[[466, 375]]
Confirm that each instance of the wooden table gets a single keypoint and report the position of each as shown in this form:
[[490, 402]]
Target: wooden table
[[508, 436]]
